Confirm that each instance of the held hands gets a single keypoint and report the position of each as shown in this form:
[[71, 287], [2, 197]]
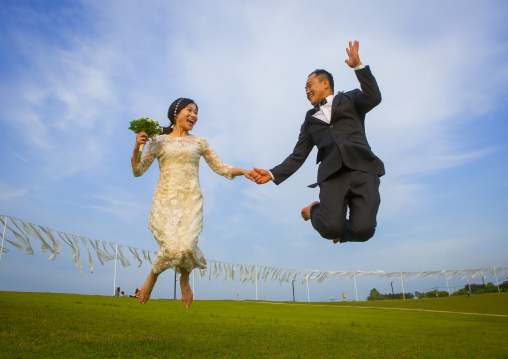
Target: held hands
[[252, 175], [256, 175], [352, 52], [263, 176]]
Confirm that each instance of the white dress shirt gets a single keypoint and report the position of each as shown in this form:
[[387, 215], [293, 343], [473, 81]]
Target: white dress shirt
[[325, 112]]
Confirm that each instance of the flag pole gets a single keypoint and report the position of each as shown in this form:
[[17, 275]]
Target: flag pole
[[114, 277], [354, 277], [499, 291], [174, 297], [403, 294], [308, 292], [256, 282], [447, 286], [3, 237]]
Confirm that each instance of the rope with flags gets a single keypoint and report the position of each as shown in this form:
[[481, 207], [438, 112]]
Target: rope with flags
[[24, 233]]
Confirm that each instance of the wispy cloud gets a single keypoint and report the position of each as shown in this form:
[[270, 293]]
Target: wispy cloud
[[120, 209], [18, 156], [76, 74], [114, 201], [8, 193]]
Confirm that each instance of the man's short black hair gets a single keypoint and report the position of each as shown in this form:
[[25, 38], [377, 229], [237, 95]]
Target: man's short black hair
[[323, 74]]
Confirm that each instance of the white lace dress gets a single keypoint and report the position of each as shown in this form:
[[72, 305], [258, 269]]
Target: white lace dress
[[177, 209]]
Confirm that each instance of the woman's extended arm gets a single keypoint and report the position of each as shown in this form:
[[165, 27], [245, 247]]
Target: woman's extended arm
[[223, 169]]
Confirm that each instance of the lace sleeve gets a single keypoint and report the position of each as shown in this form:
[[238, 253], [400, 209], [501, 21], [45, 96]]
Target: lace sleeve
[[214, 161], [151, 153]]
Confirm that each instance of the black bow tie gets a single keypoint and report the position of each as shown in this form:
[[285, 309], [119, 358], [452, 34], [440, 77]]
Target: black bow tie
[[323, 101]]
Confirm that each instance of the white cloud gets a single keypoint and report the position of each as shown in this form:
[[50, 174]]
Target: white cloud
[[68, 105], [8, 193]]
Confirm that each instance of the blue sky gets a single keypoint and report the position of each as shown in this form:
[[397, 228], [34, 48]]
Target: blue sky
[[75, 73]]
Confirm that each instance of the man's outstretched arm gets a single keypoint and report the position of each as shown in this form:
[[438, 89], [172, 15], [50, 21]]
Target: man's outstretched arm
[[292, 163]]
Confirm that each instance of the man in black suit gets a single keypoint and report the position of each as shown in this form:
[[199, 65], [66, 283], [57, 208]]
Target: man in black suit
[[348, 175]]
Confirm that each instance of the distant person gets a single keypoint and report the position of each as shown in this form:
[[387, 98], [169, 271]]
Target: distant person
[[117, 292], [124, 294], [176, 219], [136, 294]]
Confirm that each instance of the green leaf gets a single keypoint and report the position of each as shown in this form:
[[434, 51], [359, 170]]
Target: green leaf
[[145, 124]]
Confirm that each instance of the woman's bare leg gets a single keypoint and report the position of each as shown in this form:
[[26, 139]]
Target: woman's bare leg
[[147, 287], [187, 295]]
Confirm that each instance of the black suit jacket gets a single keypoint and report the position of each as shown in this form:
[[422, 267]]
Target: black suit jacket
[[343, 141]]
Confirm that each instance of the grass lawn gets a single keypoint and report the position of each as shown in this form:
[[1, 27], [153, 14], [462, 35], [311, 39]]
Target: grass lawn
[[77, 326]]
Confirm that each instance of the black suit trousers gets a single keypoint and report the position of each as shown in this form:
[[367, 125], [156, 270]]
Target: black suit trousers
[[357, 190]]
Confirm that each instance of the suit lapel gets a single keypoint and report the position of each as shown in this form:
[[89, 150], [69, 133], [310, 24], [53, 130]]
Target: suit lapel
[[310, 117], [336, 101], [335, 104]]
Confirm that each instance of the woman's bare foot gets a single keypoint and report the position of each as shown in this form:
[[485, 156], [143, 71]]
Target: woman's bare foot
[[306, 211], [187, 295], [147, 287]]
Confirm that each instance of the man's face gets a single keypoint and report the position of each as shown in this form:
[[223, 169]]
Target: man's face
[[316, 90]]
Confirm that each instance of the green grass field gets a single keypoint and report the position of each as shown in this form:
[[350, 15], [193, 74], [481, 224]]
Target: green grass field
[[77, 326]]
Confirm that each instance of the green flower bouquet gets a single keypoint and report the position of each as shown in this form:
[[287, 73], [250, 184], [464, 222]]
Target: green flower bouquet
[[147, 125]]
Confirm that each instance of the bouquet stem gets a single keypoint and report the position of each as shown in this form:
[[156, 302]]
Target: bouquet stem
[[141, 148]]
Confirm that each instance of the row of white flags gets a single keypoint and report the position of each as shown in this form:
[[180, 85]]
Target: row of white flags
[[23, 233]]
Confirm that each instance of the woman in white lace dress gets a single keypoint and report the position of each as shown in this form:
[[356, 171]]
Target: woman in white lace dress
[[176, 219]]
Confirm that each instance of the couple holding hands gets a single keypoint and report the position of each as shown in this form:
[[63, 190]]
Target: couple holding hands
[[348, 174]]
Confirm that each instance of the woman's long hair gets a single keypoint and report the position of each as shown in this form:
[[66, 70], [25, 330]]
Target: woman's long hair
[[178, 105]]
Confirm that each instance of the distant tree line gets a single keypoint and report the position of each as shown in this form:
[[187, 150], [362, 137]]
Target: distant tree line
[[475, 289], [375, 295]]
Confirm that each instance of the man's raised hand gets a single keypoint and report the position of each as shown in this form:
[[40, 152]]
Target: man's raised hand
[[352, 52], [264, 174]]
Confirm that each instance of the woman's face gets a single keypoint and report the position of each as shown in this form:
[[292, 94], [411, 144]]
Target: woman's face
[[187, 118]]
